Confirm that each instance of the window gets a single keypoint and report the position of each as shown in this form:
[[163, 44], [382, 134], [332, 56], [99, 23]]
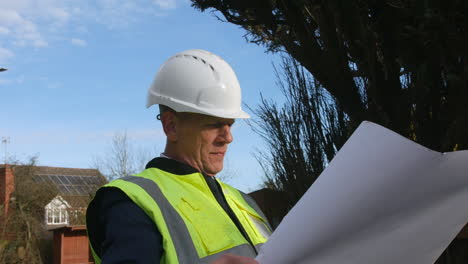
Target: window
[[48, 216], [55, 216]]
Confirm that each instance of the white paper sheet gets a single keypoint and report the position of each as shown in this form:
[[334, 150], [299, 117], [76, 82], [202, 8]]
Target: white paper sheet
[[382, 200]]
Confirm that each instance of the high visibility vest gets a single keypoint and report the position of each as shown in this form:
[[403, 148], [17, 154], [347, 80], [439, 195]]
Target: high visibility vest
[[193, 225]]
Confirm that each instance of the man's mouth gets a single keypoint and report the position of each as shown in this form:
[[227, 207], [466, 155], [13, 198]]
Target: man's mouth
[[219, 154]]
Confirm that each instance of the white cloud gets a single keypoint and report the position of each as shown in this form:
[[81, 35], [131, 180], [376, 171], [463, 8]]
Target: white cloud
[[4, 31], [24, 31], [166, 4], [79, 42], [117, 14], [33, 23], [5, 55], [9, 16], [58, 14], [17, 4]]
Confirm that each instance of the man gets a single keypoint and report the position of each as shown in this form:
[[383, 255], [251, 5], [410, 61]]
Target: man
[[176, 211]]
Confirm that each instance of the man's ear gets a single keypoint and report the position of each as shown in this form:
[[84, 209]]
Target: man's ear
[[169, 124]]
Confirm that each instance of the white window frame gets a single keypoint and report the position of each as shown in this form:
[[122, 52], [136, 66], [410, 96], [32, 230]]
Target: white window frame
[[56, 212]]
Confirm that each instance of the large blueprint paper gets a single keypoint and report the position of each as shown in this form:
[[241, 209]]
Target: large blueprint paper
[[382, 200]]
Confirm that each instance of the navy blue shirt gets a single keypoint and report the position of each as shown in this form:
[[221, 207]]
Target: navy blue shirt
[[123, 232]]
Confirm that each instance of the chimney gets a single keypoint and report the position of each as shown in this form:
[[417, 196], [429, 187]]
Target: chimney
[[7, 187]]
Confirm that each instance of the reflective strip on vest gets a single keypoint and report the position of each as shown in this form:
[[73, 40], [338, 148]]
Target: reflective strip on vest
[[185, 249], [265, 229]]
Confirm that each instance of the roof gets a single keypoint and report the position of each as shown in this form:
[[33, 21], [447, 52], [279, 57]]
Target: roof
[[66, 171], [68, 228], [70, 181], [77, 201]]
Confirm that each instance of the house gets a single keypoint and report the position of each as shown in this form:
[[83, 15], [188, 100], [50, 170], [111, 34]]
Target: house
[[71, 190], [74, 190]]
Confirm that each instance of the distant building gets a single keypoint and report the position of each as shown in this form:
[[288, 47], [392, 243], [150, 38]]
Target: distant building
[[75, 187], [64, 214]]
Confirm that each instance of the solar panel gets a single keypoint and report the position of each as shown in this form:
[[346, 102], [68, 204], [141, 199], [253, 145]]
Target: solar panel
[[55, 179], [80, 180], [69, 179], [64, 180], [60, 179], [83, 180], [87, 180], [75, 179], [95, 180], [71, 184], [45, 179], [68, 189]]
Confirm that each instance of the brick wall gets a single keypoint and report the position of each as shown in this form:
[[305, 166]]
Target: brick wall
[[7, 187]]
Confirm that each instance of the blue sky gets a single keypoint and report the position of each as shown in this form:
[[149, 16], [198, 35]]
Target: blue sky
[[78, 72]]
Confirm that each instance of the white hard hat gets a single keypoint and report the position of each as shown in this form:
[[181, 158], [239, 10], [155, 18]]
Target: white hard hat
[[197, 81]]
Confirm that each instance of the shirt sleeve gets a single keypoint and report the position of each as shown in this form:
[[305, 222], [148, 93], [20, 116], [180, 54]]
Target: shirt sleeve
[[127, 234]]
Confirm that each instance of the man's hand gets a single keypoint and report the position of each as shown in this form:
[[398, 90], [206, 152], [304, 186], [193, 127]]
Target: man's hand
[[233, 259]]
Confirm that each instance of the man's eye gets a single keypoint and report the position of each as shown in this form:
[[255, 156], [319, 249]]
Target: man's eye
[[219, 125], [214, 125]]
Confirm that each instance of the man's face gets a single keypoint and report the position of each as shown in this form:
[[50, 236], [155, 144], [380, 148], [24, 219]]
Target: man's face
[[203, 141]]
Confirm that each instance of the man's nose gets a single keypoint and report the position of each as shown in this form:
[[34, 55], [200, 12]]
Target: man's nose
[[226, 134]]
